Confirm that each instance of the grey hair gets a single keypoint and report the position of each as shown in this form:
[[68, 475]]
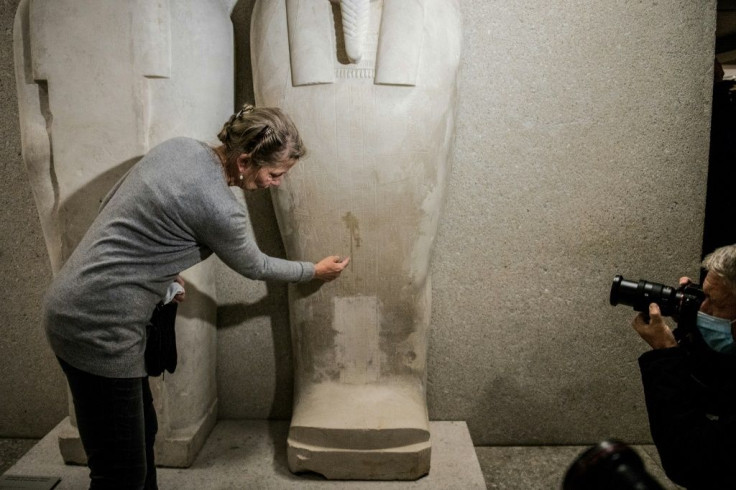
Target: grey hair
[[722, 262], [266, 133]]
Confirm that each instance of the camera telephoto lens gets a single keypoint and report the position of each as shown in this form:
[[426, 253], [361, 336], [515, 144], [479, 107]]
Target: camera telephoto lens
[[639, 295], [623, 291], [681, 303]]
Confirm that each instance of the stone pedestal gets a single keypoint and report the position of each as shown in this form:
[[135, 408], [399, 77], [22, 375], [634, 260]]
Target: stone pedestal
[[250, 454], [378, 431], [372, 88], [100, 83]]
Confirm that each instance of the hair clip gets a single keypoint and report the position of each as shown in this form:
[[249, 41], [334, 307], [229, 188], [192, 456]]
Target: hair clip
[[245, 109]]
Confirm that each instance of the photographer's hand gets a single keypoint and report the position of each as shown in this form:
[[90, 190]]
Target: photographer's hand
[[655, 332], [684, 280]]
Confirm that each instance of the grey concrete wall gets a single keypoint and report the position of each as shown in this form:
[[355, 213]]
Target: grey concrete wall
[[581, 152]]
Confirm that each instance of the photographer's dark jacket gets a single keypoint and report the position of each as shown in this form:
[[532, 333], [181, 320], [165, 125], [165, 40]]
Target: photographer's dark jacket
[[692, 414]]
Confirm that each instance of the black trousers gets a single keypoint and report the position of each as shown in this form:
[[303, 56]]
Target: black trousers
[[117, 424]]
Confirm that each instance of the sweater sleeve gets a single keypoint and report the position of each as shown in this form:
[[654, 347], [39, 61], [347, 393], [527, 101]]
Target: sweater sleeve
[[695, 447], [223, 228]]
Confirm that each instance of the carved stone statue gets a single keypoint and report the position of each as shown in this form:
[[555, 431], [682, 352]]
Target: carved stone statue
[[99, 83], [372, 87]]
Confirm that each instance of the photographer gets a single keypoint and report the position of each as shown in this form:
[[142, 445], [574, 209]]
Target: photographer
[[690, 385]]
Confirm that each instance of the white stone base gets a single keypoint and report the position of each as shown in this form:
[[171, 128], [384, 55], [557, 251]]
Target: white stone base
[[399, 463], [177, 449], [252, 454], [361, 432]]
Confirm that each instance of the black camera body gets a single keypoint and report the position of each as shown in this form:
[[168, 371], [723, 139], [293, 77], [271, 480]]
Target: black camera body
[[682, 302]]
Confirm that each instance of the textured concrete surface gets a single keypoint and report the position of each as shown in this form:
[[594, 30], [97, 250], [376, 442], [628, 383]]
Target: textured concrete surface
[[252, 454], [11, 450], [581, 153]]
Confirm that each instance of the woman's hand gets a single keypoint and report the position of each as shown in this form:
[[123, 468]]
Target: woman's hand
[[180, 297], [329, 268]]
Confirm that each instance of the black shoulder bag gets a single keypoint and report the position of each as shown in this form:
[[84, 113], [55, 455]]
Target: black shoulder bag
[[161, 340]]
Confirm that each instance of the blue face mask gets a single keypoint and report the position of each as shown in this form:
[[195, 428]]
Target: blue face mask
[[716, 332]]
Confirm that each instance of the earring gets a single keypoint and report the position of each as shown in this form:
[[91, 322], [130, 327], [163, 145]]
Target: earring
[[240, 178]]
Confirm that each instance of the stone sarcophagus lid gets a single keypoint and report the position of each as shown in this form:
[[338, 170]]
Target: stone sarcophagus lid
[[100, 82], [371, 85]]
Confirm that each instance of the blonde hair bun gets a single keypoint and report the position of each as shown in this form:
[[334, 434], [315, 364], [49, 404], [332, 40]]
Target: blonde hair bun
[[267, 134]]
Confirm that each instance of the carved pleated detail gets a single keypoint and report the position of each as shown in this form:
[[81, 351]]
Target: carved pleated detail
[[367, 73], [355, 20]]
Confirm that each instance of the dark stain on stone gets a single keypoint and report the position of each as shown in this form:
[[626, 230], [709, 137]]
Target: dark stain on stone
[[351, 222]]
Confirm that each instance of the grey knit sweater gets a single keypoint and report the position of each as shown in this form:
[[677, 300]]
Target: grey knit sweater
[[171, 211]]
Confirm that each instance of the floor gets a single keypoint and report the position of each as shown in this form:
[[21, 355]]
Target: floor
[[504, 468], [11, 450], [544, 467]]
